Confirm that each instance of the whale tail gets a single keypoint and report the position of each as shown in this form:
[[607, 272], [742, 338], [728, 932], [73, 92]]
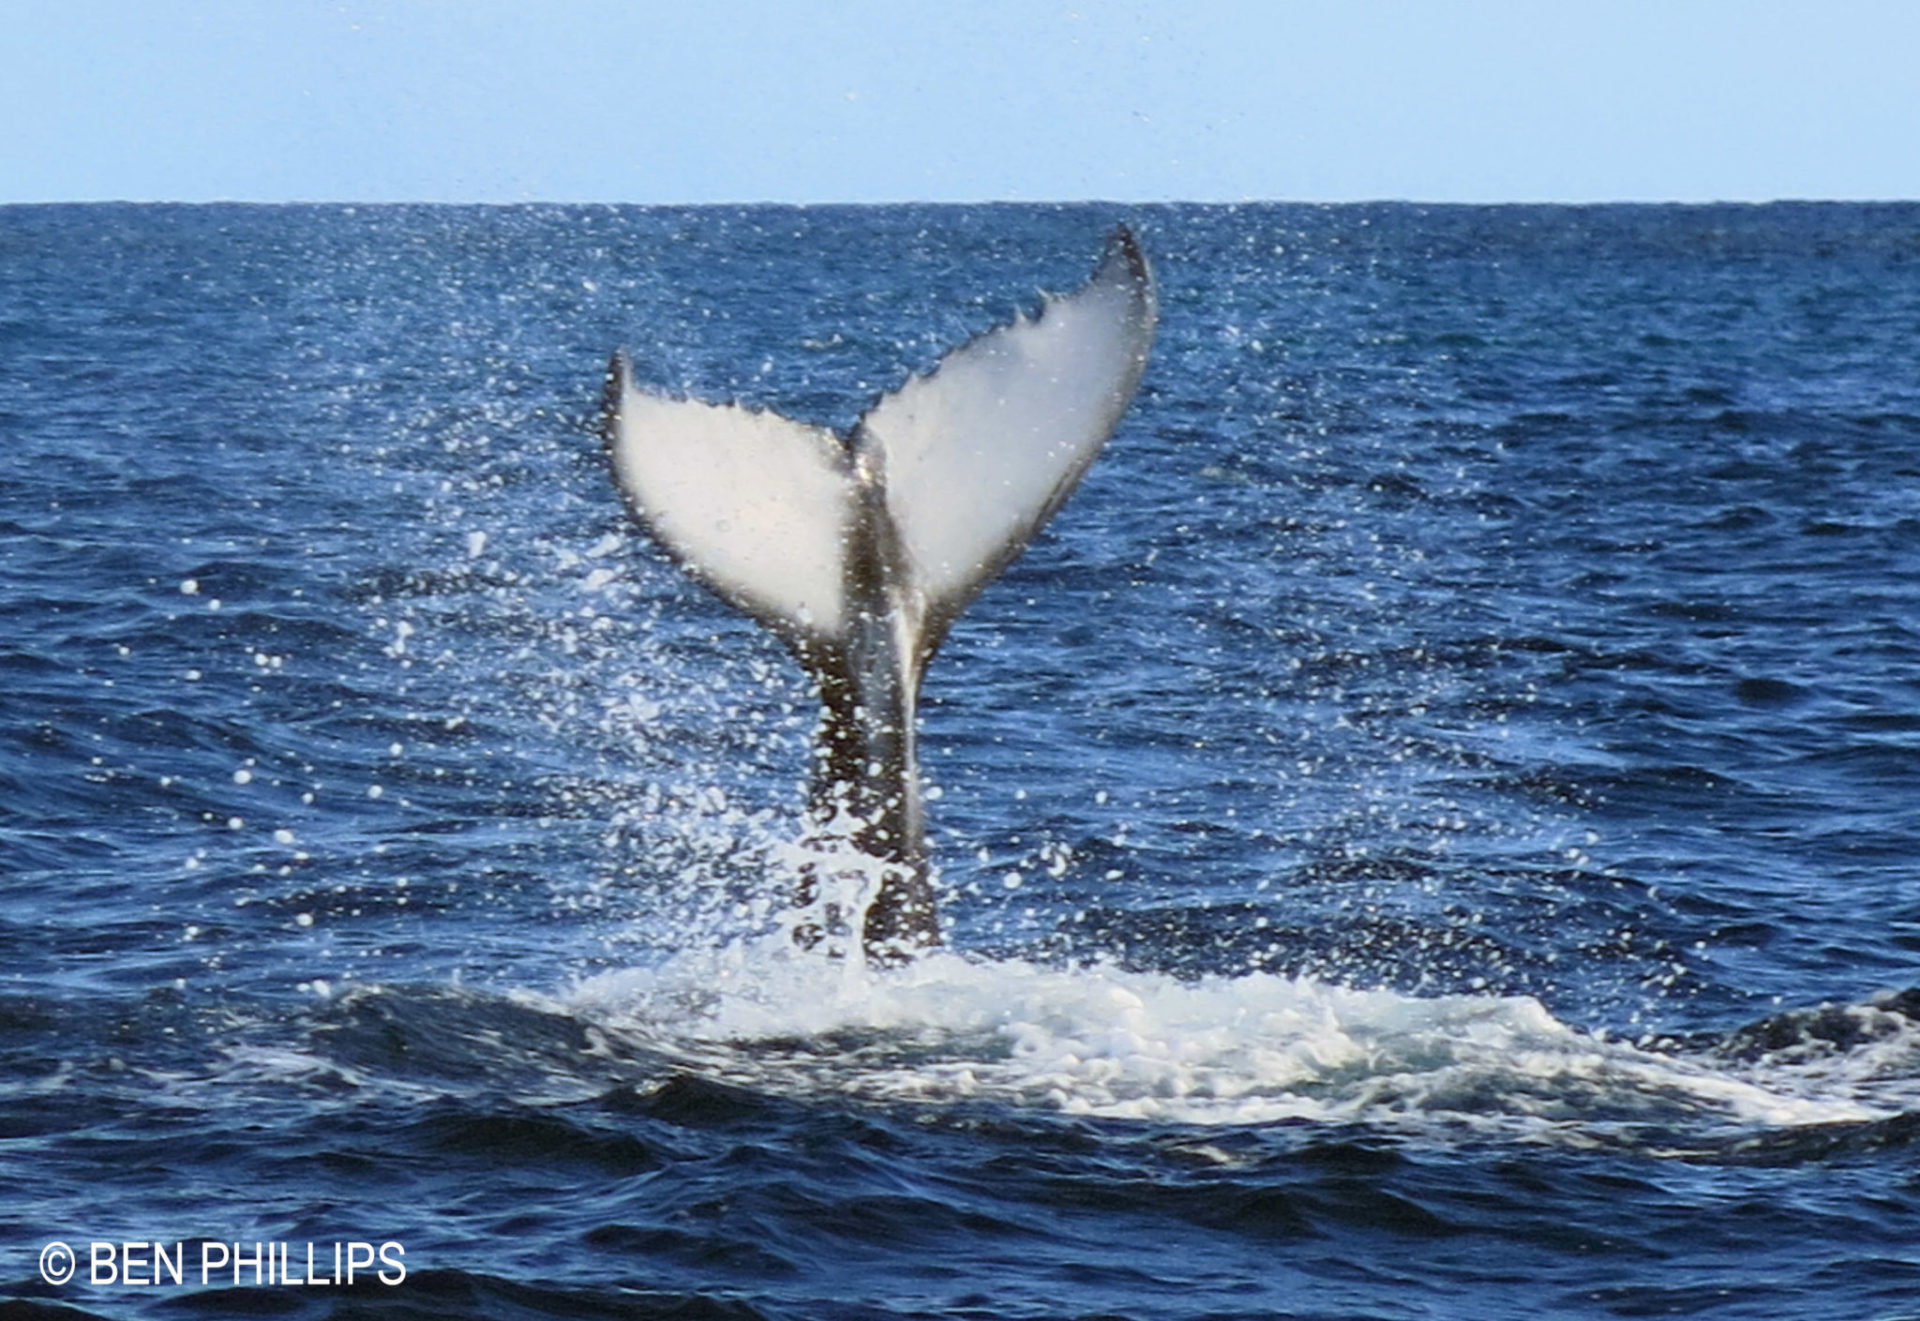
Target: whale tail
[[860, 551]]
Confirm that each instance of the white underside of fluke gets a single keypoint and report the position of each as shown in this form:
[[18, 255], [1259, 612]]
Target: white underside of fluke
[[757, 507], [967, 461]]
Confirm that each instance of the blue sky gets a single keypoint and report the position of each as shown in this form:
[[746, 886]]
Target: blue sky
[[860, 100]]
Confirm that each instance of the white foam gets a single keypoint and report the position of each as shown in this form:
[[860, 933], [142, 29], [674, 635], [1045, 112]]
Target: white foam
[[1108, 1042]]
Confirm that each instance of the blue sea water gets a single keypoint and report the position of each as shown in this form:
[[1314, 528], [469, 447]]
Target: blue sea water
[[1431, 830]]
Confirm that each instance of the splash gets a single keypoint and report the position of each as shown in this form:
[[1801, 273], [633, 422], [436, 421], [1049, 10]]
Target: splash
[[1101, 1041]]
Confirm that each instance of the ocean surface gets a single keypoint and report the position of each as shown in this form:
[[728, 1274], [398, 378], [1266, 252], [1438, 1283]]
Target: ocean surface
[[1431, 830]]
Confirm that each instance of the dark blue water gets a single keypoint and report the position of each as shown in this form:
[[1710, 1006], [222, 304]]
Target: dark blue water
[[1431, 830]]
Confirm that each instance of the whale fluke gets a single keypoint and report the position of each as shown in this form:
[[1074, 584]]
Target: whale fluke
[[859, 551]]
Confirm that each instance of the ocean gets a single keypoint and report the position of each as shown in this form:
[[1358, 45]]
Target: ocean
[[1430, 830]]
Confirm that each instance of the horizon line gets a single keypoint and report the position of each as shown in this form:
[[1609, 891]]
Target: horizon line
[[825, 203]]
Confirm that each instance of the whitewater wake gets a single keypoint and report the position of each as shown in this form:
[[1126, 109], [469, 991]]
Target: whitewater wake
[[1102, 1041]]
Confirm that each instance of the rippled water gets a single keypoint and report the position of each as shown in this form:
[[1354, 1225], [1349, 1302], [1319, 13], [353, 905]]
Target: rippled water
[[1429, 831]]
